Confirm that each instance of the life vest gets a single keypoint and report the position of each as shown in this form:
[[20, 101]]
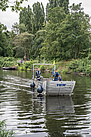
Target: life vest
[[38, 73]]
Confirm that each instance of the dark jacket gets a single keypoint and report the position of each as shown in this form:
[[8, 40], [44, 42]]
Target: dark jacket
[[38, 73]]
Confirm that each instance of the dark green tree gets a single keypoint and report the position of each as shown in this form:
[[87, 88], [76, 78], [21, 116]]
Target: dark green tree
[[38, 41], [75, 32], [25, 18], [67, 35], [51, 44], [15, 28], [57, 3], [3, 42], [38, 16]]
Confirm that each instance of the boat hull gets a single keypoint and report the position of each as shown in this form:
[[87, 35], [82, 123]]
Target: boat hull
[[58, 87]]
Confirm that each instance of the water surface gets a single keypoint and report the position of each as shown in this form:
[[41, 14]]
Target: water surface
[[30, 115]]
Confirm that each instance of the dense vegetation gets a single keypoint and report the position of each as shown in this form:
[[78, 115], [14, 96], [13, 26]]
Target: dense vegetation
[[62, 34]]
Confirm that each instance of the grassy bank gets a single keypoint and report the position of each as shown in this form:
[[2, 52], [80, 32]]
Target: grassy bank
[[79, 66]]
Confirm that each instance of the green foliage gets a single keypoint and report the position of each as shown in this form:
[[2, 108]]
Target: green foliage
[[3, 131], [64, 71], [67, 35], [16, 5], [73, 64], [57, 3], [42, 67], [28, 64], [88, 69], [81, 66], [25, 41], [89, 57], [7, 61], [26, 20], [38, 16]]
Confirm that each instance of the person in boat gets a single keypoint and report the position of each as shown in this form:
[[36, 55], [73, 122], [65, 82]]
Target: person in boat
[[57, 76], [38, 74]]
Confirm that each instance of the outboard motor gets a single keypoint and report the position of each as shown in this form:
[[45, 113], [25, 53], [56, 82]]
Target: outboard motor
[[40, 89], [32, 85]]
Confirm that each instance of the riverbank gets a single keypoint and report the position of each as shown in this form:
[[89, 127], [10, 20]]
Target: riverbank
[[77, 66]]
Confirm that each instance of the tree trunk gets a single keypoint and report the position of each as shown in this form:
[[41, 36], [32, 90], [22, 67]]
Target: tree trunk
[[28, 54], [75, 51]]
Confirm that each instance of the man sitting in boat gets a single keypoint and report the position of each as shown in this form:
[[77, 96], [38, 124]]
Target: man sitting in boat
[[38, 74], [57, 76]]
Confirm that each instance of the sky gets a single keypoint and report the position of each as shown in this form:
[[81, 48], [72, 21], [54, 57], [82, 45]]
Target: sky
[[8, 17]]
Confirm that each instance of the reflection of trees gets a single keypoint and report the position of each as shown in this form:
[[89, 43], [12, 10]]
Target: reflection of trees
[[25, 105], [59, 109], [80, 92]]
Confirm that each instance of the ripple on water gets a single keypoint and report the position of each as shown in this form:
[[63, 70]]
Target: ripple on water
[[29, 115]]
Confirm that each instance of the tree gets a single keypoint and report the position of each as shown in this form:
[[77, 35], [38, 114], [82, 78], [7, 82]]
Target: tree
[[25, 18], [3, 41], [38, 41], [38, 16], [15, 28], [15, 5], [75, 31], [57, 3], [24, 40], [22, 28], [67, 35], [51, 44]]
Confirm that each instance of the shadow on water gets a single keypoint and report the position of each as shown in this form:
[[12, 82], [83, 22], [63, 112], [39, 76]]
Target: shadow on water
[[30, 114]]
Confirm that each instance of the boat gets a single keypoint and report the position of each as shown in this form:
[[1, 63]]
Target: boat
[[58, 87], [9, 68], [50, 87]]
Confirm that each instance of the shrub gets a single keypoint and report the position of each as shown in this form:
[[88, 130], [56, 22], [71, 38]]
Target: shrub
[[88, 70], [73, 64], [65, 71]]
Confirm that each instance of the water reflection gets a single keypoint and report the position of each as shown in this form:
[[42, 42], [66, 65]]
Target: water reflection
[[61, 104], [59, 109], [32, 115]]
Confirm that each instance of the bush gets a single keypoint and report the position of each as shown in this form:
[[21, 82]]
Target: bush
[[7, 61], [73, 64], [88, 70], [65, 71], [28, 64], [81, 65]]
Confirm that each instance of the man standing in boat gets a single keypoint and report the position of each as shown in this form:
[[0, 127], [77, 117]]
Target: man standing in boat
[[38, 74], [57, 76]]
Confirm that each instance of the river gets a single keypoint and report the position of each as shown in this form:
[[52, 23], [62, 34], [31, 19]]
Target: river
[[32, 116]]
